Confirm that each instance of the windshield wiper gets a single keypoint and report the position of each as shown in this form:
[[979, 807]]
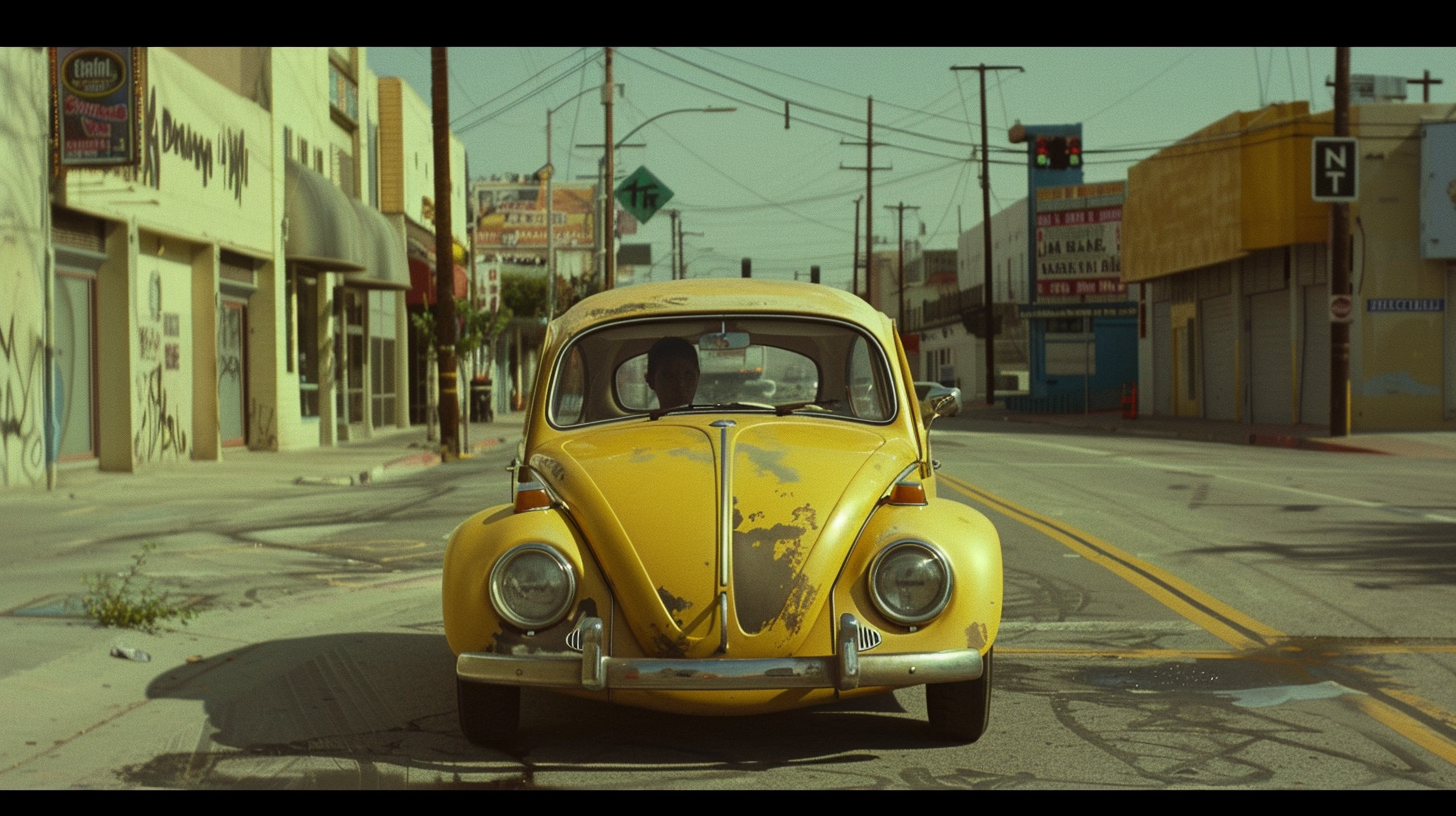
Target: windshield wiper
[[659, 413], [790, 407]]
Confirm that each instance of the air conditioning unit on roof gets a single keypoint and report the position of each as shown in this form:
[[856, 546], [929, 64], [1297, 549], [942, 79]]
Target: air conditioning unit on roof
[[1369, 89]]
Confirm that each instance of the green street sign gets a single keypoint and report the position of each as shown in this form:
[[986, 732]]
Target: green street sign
[[642, 195]]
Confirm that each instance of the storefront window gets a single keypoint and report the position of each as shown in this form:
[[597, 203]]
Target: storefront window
[[306, 290]]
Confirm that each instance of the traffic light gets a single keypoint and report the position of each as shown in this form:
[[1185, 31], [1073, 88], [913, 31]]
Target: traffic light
[[1058, 152]]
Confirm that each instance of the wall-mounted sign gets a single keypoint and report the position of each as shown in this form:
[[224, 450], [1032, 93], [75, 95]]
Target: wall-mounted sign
[[96, 103], [1334, 168], [1405, 305]]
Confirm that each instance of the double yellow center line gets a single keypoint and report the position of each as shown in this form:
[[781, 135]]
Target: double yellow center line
[[1398, 710]]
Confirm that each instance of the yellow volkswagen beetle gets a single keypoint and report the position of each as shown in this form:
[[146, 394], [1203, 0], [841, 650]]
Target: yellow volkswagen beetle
[[723, 503]]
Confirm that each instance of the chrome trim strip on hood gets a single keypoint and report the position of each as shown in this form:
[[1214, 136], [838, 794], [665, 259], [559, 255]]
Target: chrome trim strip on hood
[[725, 502]]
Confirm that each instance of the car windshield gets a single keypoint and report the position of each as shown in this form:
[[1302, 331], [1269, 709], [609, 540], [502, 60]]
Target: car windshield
[[745, 363]]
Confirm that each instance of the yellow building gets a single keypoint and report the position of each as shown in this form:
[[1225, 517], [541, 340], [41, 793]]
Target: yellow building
[[1229, 252]]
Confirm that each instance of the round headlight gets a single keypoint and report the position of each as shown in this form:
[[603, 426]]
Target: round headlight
[[910, 582], [532, 586]]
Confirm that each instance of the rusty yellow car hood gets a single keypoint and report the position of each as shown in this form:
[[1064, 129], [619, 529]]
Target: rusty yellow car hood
[[647, 497]]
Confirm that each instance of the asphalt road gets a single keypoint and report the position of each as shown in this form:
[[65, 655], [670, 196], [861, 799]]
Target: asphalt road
[[1178, 614]]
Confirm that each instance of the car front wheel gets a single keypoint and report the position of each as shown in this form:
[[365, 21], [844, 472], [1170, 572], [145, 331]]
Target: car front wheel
[[961, 711], [489, 715]]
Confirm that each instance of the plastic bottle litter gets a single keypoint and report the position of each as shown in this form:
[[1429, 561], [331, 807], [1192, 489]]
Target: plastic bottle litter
[[129, 653]]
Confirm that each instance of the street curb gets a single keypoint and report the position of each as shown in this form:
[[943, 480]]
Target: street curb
[[1305, 443], [416, 461]]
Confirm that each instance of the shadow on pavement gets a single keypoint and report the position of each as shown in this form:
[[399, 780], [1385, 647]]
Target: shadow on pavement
[[315, 711]]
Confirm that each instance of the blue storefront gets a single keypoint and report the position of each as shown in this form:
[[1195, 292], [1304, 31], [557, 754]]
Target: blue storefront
[[1081, 326]]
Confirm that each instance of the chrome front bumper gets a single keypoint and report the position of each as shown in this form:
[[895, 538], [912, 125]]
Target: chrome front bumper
[[594, 671]]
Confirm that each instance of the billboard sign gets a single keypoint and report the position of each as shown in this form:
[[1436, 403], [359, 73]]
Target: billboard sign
[[512, 216], [1078, 241]]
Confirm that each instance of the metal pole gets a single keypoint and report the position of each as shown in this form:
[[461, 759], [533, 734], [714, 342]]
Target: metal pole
[[1340, 265], [869, 199], [986, 248], [609, 222], [550, 228]]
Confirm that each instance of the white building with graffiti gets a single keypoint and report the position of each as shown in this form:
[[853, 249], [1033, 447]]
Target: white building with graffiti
[[235, 284]]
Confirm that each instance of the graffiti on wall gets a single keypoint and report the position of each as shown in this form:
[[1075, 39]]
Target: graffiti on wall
[[262, 426], [160, 433], [167, 133], [22, 440], [230, 345], [161, 392]]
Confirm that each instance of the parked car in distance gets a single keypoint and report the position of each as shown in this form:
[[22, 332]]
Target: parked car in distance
[[929, 392], [738, 552]]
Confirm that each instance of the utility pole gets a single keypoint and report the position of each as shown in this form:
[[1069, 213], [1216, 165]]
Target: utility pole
[[609, 221], [869, 168], [854, 266], [444, 262], [675, 253], [1425, 82], [900, 321], [1340, 265], [990, 324]]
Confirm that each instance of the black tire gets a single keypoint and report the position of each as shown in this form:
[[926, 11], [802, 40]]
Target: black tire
[[489, 715], [961, 711]]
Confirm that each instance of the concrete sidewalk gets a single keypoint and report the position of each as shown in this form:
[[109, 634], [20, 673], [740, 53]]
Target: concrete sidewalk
[[387, 454], [1429, 444]]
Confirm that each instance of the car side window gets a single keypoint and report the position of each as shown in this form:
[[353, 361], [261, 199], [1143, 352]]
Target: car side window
[[868, 394], [569, 395]]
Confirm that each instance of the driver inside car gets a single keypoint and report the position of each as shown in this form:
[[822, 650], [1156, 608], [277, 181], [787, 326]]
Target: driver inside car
[[672, 371]]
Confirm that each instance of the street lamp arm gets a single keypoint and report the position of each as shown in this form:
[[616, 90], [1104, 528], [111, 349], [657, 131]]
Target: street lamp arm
[[634, 130]]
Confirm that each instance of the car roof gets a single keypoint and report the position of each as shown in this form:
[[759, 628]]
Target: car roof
[[715, 296]]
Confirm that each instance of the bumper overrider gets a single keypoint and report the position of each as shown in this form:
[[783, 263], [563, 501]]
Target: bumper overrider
[[594, 671]]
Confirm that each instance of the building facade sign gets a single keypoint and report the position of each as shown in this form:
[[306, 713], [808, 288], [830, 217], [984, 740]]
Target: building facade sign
[[96, 103], [1405, 305]]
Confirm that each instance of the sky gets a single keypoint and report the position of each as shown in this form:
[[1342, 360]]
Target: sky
[[748, 187]]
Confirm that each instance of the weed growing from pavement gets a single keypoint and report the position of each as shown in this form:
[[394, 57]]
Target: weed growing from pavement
[[126, 599]]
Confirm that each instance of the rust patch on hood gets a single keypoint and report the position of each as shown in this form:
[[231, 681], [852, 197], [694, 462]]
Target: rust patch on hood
[[667, 645], [673, 604], [976, 636], [767, 581]]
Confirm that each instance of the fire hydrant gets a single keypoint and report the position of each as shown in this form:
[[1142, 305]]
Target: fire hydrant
[[1129, 401]]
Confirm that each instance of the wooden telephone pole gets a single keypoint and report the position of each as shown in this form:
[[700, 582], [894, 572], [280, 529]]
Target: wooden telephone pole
[[1340, 264], [990, 323], [869, 168], [444, 262], [900, 319]]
